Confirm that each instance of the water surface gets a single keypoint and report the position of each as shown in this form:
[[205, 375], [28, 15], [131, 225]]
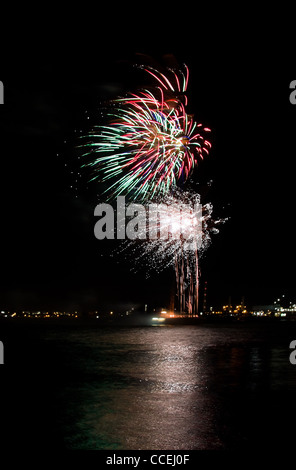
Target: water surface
[[202, 387]]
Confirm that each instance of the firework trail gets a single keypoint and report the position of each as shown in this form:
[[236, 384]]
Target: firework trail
[[149, 142]]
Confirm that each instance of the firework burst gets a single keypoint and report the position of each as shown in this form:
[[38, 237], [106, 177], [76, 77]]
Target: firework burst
[[184, 231], [149, 143], [145, 149], [183, 227]]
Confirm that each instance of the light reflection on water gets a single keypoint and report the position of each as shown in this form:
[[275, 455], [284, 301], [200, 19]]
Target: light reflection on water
[[167, 388]]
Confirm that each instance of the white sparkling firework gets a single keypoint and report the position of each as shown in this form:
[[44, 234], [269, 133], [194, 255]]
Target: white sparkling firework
[[184, 231], [188, 230]]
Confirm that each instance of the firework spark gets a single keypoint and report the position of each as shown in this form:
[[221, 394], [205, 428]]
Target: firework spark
[[185, 229], [149, 142], [146, 149]]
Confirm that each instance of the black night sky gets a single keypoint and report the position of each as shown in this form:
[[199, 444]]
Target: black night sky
[[49, 255]]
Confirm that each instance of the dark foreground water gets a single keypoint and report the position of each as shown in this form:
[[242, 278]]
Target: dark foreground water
[[170, 387]]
